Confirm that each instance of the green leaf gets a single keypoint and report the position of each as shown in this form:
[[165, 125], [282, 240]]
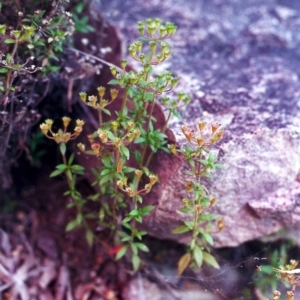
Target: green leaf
[[3, 70], [71, 225], [189, 224], [125, 151], [106, 111], [9, 41], [181, 229], [183, 263], [185, 210], [134, 248], [146, 210], [79, 218], [89, 237], [71, 159], [121, 252], [61, 167], [62, 148], [113, 82], [198, 256], [208, 238], [176, 113], [56, 172], [126, 220], [77, 169], [210, 260], [149, 97], [136, 261], [142, 247]]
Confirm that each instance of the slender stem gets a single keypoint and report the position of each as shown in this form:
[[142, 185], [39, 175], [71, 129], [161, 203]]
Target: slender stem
[[124, 102], [100, 117], [79, 208], [167, 121]]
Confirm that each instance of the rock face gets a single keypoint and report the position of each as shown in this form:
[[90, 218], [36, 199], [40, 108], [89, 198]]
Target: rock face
[[240, 61]]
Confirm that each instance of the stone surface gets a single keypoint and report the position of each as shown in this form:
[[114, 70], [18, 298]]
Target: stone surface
[[240, 61]]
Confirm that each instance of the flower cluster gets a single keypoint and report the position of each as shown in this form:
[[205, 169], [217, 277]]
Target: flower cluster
[[62, 135], [132, 192]]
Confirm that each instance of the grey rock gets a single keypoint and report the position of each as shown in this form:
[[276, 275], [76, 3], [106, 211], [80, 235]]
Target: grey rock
[[240, 61]]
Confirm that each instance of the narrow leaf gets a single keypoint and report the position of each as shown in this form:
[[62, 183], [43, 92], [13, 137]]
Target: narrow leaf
[[198, 256], [121, 252], [180, 229], [183, 263], [136, 261], [210, 260]]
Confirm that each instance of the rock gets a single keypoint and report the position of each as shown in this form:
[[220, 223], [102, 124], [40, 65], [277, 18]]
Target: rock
[[240, 61]]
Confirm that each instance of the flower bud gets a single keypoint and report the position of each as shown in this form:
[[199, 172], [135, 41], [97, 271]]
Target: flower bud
[[130, 192], [201, 126], [138, 174], [102, 135], [45, 128], [220, 224], [172, 148], [81, 147], [148, 187], [95, 147], [139, 46], [171, 28], [290, 295], [141, 27], [293, 264], [132, 50], [152, 45], [162, 30], [136, 133], [214, 127], [49, 122], [101, 91], [82, 96], [185, 202], [79, 122], [113, 71], [120, 184], [123, 64], [153, 179], [66, 121], [199, 208], [114, 125], [212, 201], [113, 94], [276, 295], [92, 100]]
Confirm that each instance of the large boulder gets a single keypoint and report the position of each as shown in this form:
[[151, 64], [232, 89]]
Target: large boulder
[[240, 61]]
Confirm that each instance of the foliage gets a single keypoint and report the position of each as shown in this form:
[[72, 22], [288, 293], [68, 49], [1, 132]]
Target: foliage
[[32, 35], [132, 130], [198, 200], [266, 280], [288, 274]]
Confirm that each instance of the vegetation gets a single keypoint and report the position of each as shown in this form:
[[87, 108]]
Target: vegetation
[[31, 44], [122, 179]]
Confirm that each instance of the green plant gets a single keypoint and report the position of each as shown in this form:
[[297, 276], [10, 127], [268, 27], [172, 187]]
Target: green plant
[[198, 199], [81, 23], [265, 279], [288, 274], [31, 40], [123, 179]]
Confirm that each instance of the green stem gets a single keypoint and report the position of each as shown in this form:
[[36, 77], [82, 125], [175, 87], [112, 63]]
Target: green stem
[[100, 117], [79, 208], [167, 121], [124, 102]]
